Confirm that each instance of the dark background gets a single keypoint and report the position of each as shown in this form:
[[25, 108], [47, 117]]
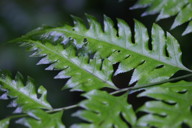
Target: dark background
[[20, 16]]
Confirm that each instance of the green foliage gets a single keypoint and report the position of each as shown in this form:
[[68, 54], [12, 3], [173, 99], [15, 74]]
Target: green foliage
[[4, 123], [168, 8], [98, 113], [43, 119], [162, 61], [26, 101], [27, 96], [73, 66], [88, 55], [171, 105]]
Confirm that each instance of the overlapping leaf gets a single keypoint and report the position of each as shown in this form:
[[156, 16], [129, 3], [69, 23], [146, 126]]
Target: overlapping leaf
[[27, 102], [149, 65], [171, 107], [87, 74], [36, 119], [103, 110], [168, 8], [43, 120], [26, 95]]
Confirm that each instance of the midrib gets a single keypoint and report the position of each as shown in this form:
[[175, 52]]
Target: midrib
[[17, 90], [76, 65], [114, 45]]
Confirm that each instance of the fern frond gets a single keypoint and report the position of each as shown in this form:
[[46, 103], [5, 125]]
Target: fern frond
[[43, 120], [171, 106], [86, 74], [168, 8], [27, 102], [36, 118], [4, 123], [149, 65], [26, 95], [103, 110]]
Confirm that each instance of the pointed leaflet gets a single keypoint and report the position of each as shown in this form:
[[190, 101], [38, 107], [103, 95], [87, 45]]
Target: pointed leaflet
[[3, 96], [28, 103], [36, 119], [168, 8], [87, 73], [103, 110], [44, 120], [117, 46], [26, 95], [171, 107]]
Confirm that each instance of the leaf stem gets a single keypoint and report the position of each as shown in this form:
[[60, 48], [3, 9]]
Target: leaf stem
[[48, 111], [131, 89], [63, 108], [149, 85]]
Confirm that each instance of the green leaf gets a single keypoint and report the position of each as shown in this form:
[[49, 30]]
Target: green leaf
[[86, 74], [157, 64], [171, 105], [43, 120], [4, 123], [25, 93], [28, 103], [168, 8], [103, 110]]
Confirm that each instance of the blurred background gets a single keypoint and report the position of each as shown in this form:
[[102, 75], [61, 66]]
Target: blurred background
[[18, 17]]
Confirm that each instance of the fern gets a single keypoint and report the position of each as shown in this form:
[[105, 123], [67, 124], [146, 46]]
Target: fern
[[43, 120], [86, 54], [36, 119], [29, 104], [99, 115], [75, 67], [168, 8], [137, 55], [171, 106], [16, 88], [4, 123]]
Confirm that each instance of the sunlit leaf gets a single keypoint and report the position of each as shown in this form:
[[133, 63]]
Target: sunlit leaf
[[76, 51], [25, 92], [28, 105]]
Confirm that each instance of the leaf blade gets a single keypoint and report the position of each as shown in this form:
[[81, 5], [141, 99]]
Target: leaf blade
[[114, 46], [167, 8], [100, 106], [171, 107], [25, 95]]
